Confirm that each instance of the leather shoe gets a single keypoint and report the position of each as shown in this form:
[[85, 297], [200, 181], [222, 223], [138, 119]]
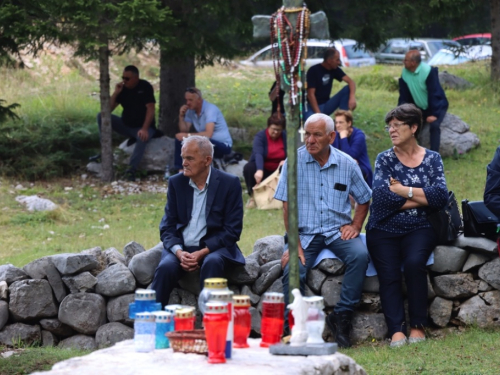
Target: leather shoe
[[341, 325]]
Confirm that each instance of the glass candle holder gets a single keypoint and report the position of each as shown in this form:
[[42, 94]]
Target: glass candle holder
[[315, 322], [226, 296], [173, 308], [164, 323], [242, 321], [216, 324], [145, 301], [273, 319], [210, 285], [144, 332], [184, 319]]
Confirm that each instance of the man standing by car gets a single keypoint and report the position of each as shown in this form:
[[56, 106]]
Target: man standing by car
[[419, 85], [202, 118], [319, 86]]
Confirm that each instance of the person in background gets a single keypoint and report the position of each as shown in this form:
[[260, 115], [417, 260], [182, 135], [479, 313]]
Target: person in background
[[492, 188], [352, 141], [268, 153], [408, 181], [419, 85]]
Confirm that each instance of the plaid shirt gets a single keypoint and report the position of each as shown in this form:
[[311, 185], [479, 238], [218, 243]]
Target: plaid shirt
[[323, 193]]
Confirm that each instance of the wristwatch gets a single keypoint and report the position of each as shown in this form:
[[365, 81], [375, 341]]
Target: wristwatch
[[410, 193]]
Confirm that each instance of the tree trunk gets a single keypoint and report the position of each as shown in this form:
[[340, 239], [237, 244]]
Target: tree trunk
[[495, 40], [106, 131], [176, 74]]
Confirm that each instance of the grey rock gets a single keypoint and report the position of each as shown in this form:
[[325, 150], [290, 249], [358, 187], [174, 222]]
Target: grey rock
[[331, 290], [9, 273], [187, 298], [370, 302], [430, 289], [277, 286], [450, 81], [482, 310], [84, 312], [113, 256], [78, 342], [175, 298], [475, 260], [266, 267], [55, 282], [331, 266], [143, 265], [4, 290], [455, 136], [19, 332], [94, 167], [36, 268], [115, 281], [244, 274], [484, 286], [117, 309], [269, 248], [236, 169], [159, 153], [440, 311], [4, 313], [81, 283], [69, 264], [111, 333], [371, 284], [308, 291], [455, 286], [254, 298], [131, 249], [240, 134], [191, 282], [233, 288], [31, 299], [266, 279], [256, 318], [477, 245], [49, 339], [448, 259], [490, 272], [56, 327], [101, 260], [315, 279], [368, 325]]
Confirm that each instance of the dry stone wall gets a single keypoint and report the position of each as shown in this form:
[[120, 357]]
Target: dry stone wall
[[81, 300]]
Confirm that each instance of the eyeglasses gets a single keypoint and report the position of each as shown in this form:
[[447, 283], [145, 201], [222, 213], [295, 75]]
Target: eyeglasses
[[126, 78], [394, 125], [192, 90]]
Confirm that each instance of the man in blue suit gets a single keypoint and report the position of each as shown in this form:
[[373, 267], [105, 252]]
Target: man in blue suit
[[202, 222]]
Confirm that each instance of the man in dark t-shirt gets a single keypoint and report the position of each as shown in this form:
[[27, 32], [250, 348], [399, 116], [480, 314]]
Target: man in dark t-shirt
[[136, 96], [319, 86]]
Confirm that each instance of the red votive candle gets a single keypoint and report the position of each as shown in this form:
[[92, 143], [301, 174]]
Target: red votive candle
[[242, 321], [216, 323], [273, 319], [184, 319], [226, 296]]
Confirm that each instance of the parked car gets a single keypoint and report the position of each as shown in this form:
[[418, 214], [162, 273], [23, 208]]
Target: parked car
[[394, 50], [470, 53], [474, 39], [351, 55]]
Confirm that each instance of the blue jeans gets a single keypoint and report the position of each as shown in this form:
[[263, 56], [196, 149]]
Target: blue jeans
[[354, 255], [388, 251], [220, 149], [118, 126], [339, 100]]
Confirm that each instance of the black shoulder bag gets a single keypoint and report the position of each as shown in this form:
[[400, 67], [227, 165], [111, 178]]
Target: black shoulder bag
[[479, 221], [447, 222]]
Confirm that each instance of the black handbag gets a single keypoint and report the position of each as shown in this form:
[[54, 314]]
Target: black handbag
[[479, 221], [447, 222]]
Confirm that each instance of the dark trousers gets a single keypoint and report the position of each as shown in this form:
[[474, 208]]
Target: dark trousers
[[388, 252], [354, 255], [435, 129], [248, 171], [339, 100], [220, 149], [169, 272], [118, 126]]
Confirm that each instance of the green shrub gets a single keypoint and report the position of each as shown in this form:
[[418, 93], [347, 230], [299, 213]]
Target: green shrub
[[378, 81]]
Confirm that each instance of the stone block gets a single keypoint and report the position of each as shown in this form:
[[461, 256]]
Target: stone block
[[131, 249], [111, 333], [266, 279], [69, 264], [269, 248], [4, 313], [81, 283], [266, 267], [277, 286], [99, 256], [78, 342], [115, 281], [113, 256], [440, 311], [315, 279], [482, 310], [117, 309], [256, 318], [244, 274], [31, 300], [332, 266], [4, 290], [448, 259], [10, 274], [56, 327], [84, 312], [254, 298], [159, 153], [36, 268], [370, 302], [475, 260], [455, 286], [143, 265], [16, 333], [331, 290], [368, 325], [477, 245], [490, 272], [49, 339]]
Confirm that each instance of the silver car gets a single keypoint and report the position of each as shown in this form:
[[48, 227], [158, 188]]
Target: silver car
[[351, 55], [394, 50]]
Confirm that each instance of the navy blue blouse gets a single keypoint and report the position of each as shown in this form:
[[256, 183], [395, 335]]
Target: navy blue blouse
[[385, 213]]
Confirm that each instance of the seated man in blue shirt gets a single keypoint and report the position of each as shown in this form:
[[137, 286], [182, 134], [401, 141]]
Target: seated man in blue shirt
[[203, 118], [202, 222], [319, 86], [325, 179], [492, 188]]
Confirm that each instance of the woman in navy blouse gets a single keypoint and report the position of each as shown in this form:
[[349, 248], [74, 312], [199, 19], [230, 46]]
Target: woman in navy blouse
[[408, 183], [268, 153]]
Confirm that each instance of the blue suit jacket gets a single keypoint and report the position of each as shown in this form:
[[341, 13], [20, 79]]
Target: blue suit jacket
[[224, 214], [492, 189]]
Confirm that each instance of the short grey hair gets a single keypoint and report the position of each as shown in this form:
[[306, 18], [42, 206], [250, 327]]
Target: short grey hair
[[204, 145], [330, 125]]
